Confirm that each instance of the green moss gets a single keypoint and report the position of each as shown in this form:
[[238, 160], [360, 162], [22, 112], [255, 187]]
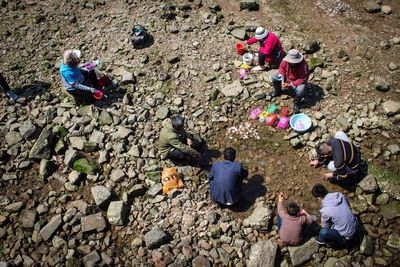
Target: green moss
[[62, 131], [315, 62], [384, 175], [86, 166]]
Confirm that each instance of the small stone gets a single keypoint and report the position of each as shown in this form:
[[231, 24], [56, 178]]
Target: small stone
[[13, 138], [76, 142], [162, 112], [393, 66], [369, 184], [260, 217], [232, 90], [155, 190], [91, 259], [250, 5], [123, 132], [381, 85], [391, 107], [311, 47], [93, 222], [43, 146], [371, 6], [155, 238], [394, 241], [391, 210], [367, 246], [394, 149], [382, 199], [58, 242], [27, 219], [117, 175], [201, 261], [386, 9], [117, 212], [14, 207], [46, 168], [75, 177], [51, 227], [295, 142], [239, 34], [101, 195]]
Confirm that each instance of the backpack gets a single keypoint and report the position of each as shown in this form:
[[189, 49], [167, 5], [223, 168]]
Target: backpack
[[138, 37]]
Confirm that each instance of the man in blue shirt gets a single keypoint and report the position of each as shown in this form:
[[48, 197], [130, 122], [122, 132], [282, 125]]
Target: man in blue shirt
[[226, 179]]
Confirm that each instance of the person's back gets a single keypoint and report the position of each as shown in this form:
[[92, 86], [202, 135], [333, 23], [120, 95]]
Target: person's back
[[226, 179], [336, 214]]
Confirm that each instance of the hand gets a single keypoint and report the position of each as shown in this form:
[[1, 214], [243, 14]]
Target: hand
[[314, 163], [281, 196], [93, 90], [303, 212], [329, 175], [285, 85], [189, 142]]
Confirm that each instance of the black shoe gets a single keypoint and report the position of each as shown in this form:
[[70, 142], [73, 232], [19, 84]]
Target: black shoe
[[274, 94], [296, 108], [319, 240]]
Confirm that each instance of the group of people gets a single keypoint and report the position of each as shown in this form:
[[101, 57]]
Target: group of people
[[339, 154], [293, 72]]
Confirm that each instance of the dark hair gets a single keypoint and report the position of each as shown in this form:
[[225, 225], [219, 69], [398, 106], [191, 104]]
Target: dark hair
[[321, 149], [229, 154], [293, 209], [319, 191], [177, 122]]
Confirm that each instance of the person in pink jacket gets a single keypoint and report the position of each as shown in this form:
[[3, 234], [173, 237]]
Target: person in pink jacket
[[270, 50], [292, 76]]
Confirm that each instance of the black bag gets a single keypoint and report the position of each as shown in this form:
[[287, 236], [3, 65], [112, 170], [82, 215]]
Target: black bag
[[138, 36]]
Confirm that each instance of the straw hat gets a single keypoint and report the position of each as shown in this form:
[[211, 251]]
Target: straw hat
[[293, 56], [261, 33]]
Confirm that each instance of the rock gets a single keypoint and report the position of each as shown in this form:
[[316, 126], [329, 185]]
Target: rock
[[27, 219], [93, 222], [394, 149], [367, 246], [117, 212], [71, 155], [334, 262], [105, 118], [381, 84], [250, 5], [311, 47], [394, 241], [91, 259], [155, 238], [224, 256], [123, 132], [371, 6], [117, 175], [303, 253], [97, 137], [126, 76], [46, 168], [214, 231], [382, 199], [58, 242], [260, 217], [43, 146], [369, 184], [232, 90], [86, 166], [137, 190], [51, 227], [263, 254], [76, 142], [14, 207], [162, 112], [75, 177], [386, 9], [101, 195], [391, 210], [393, 66], [155, 190], [200, 261], [295, 143], [135, 151], [239, 34], [28, 130], [13, 138], [360, 204]]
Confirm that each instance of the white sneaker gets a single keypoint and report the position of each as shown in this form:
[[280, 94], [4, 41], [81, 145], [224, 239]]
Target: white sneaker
[[258, 68]]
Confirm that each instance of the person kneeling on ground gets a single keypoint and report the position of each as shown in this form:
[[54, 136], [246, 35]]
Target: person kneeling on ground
[[292, 75], [291, 222], [6, 88], [177, 144], [226, 179], [338, 222], [270, 50], [341, 156], [79, 82]]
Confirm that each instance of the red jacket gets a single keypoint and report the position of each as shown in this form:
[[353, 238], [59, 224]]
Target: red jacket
[[296, 75], [272, 47]]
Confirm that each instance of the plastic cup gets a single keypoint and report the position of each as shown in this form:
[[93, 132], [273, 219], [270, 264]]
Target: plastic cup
[[98, 95]]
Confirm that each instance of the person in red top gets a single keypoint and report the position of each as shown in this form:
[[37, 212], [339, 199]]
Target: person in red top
[[292, 75], [291, 222], [270, 50]]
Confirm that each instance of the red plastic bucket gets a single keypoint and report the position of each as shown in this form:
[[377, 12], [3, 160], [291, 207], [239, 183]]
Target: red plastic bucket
[[240, 48], [98, 95]]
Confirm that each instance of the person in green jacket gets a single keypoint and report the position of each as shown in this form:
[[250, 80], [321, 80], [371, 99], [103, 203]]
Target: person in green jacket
[[177, 144]]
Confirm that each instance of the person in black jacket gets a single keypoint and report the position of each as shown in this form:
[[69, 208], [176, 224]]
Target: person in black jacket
[[341, 157]]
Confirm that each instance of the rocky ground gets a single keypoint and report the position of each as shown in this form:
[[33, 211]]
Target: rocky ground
[[80, 185]]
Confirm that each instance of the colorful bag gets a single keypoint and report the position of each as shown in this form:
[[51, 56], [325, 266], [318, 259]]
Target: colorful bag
[[170, 179], [254, 113]]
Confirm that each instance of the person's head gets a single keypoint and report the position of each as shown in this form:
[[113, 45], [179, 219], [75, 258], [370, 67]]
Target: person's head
[[71, 58], [177, 123], [293, 57], [292, 208], [261, 33], [324, 150], [319, 191], [229, 154]]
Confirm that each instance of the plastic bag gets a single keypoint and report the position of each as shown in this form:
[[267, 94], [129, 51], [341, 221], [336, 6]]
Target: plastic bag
[[170, 179]]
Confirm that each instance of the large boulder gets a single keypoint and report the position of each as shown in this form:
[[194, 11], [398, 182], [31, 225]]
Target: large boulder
[[263, 254], [43, 146], [260, 218], [303, 253], [369, 184], [232, 90]]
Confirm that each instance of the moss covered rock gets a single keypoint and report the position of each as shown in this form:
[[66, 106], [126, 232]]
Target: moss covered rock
[[86, 166]]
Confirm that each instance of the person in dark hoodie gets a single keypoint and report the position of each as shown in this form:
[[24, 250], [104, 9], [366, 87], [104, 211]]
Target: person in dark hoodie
[[226, 179], [338, 221]]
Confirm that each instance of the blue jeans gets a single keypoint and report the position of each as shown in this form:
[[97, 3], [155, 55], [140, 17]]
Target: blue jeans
[[298, 90], [279, 223], [331, 236]]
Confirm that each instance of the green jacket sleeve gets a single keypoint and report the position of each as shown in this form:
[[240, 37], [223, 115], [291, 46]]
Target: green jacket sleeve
[[184, 148]]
